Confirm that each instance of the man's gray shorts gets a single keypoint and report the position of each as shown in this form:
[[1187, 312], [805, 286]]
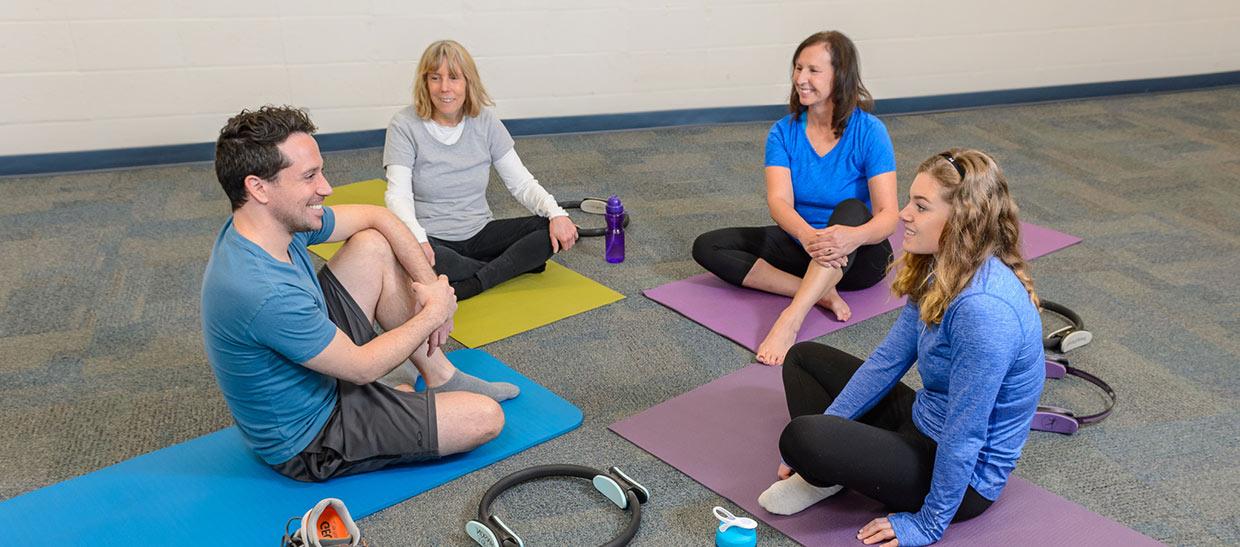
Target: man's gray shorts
[[373, 426]]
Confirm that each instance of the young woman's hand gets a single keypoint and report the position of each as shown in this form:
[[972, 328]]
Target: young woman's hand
[[563, 234], [429, 251], [878, 530]]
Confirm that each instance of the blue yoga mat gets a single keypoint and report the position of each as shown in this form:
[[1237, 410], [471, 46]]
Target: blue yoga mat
[[170, 496]]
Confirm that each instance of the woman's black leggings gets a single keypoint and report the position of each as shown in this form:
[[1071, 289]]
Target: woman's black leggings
[[881, 455], [730, 253], [502, 250]]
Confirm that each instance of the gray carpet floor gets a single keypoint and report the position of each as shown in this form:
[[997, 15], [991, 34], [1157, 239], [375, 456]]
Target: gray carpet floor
[[101, 356]]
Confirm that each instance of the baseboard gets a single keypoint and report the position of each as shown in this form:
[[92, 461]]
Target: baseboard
[[29, 164]]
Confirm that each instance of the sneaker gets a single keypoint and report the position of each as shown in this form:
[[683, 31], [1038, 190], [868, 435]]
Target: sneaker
[[325, 525]]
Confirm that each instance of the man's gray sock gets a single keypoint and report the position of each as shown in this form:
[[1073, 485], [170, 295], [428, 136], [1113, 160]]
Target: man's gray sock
[[460, 381]]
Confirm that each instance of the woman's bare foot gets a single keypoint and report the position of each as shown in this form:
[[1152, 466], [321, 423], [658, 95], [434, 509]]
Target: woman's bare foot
[[784, 471], [834, 302], [783, 335], [403, 387]]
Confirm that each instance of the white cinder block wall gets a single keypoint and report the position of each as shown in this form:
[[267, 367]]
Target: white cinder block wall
[[88, 75]]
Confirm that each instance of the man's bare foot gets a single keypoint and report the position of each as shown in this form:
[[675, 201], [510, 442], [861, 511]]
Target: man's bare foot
[[782, 336], [834, 302]]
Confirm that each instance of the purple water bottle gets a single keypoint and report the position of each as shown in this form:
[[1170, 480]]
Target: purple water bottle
[[614, 240]]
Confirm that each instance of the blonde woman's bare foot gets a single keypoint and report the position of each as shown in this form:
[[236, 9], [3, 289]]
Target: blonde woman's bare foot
[[783, 335], [834, 302]]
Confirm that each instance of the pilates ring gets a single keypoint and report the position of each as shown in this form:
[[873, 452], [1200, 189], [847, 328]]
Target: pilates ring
[[1067, 338], [593, 206], [1061, 420], [490, 531]]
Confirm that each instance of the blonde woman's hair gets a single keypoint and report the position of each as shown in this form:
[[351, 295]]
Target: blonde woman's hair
[[982, 222], [460, 63]]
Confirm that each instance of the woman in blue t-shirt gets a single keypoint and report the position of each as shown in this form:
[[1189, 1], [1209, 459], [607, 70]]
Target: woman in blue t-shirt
[[831, 189], [942, 453]]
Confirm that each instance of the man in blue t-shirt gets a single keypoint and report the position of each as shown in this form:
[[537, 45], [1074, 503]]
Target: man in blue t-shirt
[[295, 353]]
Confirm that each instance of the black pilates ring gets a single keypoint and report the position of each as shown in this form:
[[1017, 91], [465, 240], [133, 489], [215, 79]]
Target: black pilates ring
[[1067, 338], [1057, 419], [491, 531], [593, 206]]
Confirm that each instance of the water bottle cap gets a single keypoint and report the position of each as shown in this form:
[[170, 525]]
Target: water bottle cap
[[728, 520], [613, 205]]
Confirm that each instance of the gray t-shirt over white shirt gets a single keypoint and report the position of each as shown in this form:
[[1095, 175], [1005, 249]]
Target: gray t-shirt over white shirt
[[449, 179]]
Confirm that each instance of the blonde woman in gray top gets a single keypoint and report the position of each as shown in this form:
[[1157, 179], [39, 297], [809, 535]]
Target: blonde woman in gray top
[[437, 160]]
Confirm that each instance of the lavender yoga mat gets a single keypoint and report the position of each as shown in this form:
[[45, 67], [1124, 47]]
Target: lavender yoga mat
[[725, 435], [744, 316]]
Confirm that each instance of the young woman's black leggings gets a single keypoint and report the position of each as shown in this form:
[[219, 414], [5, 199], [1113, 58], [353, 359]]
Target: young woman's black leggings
[[730, 253], [502, 250], [881, 455]]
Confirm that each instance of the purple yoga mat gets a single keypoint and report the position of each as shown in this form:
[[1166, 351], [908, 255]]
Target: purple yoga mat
[[725, 435], [744, 316]]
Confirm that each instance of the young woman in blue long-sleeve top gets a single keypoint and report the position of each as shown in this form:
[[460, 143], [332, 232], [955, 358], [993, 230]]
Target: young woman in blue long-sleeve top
[[942, 453]]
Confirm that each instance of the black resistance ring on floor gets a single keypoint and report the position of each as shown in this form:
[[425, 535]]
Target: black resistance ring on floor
[[489, 531], [1067, 338], [593, 206]]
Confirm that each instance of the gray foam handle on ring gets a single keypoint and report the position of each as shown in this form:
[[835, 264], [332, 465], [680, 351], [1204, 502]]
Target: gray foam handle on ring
[[610, 488]]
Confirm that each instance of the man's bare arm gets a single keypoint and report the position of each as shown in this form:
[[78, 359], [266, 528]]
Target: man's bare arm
[[351, 219], [366, 363]]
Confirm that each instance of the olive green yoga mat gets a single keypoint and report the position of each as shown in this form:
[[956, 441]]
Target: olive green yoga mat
[[367, 192], [527, 302], [523, 303]]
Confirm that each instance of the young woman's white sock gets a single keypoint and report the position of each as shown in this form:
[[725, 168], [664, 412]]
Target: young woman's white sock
[[793, 495]]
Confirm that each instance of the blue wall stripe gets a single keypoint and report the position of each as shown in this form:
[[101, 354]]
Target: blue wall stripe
[[182, 153], [1055, 93]]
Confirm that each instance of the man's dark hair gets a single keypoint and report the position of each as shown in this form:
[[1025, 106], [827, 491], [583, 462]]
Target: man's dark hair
[[248, 146]]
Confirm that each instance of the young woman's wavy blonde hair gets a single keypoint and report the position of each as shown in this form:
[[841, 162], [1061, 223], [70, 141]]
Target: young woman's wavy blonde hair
[[982, 222], [460, 63]]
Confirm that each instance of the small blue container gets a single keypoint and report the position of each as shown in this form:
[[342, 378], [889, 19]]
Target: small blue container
[[734, 531]]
